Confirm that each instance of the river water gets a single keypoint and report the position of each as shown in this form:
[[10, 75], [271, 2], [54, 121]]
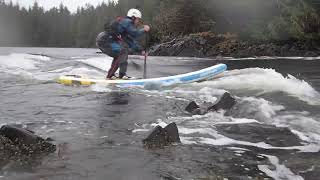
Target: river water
[[273, 132]]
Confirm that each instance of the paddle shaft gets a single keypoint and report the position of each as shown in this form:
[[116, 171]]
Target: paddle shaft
[[145, 67], [145, 59]]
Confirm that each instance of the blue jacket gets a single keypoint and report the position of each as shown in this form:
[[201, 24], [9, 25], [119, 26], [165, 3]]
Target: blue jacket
[[129, 33]]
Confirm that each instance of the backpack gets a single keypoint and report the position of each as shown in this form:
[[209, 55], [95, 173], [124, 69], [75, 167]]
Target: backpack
[[112, 28]]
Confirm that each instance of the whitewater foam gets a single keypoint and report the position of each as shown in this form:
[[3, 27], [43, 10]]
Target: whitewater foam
[[278, 171], [37, 57], [101, 63], [101, 88], [84, 71], [25, 65], [270, 58], [62, 70], [200, 129], [299, 121], [20, 61], [220, 140], [257, 108], [265, 80]]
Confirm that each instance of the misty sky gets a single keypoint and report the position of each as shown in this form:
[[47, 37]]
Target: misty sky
[[47, 4]]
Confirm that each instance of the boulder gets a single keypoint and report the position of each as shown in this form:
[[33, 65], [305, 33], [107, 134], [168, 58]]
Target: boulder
[[161, 137], [172, 133], [208, 44], [226, 102], [26, 140], [193, 108]]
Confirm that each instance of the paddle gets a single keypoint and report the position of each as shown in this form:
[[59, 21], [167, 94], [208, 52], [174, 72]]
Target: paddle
[[145, 59], [145, 67]]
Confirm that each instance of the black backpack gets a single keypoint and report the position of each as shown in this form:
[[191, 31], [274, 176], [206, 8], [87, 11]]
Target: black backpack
[[112, 28]]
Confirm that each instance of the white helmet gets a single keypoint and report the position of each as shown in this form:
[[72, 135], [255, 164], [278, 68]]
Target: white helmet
[[134, 13]]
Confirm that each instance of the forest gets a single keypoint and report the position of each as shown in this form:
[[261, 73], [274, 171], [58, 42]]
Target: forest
[[254, 20]]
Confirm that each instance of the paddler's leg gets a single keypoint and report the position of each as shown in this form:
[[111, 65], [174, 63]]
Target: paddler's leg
[[114, 67], [115, 52], [123, 60]]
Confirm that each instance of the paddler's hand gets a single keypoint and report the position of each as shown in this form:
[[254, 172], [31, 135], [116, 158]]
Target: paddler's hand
[[146, 28]]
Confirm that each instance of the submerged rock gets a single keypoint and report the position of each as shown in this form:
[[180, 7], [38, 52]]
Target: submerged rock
[[255, 133], [26, 140], [161, 137]]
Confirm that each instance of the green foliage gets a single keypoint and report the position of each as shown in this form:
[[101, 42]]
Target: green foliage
[[305, 22], [180, 17], [298, 19], [249, 19]]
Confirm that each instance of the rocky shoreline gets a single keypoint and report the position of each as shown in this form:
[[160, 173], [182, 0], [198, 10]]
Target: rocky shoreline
[[212, 45]]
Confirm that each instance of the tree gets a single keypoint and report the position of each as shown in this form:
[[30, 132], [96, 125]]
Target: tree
[[250, 19]]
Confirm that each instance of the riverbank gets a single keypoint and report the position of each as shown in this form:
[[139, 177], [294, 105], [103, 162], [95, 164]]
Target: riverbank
[[211, 45]]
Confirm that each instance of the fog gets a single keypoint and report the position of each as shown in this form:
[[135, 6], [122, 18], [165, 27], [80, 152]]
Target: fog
[[48, 4], [233, 14]]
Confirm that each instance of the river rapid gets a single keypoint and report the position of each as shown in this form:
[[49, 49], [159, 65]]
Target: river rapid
[[273, 131]]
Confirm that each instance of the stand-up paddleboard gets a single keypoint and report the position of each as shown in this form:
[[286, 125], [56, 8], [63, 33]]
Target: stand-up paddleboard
[[195, 76]]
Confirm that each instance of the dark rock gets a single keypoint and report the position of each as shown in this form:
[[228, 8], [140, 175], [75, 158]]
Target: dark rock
[[172, 133], [194, 45], [254, 132], [161, 137], [15, 154], [49, 139], [311, 54], [18, 134], [156, 138], [191, 52], [226, 102], [26, 140], [193, 108], [159, 50], [8, 151], [209, 44]]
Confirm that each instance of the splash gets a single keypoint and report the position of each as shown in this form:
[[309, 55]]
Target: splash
[[87, 72], [201, 129], [21, 61], [271, 58], [100, 63], [25, 65], [101, 88], [266, 80], [278, 171], [29, 66]]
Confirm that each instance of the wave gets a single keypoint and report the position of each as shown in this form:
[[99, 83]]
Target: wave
[[21, 61], [265, 81]]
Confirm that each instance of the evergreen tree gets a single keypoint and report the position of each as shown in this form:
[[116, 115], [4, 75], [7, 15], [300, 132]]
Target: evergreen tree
[[253, 19]]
